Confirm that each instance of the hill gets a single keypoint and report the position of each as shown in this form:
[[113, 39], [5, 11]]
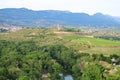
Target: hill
[[26, 17]]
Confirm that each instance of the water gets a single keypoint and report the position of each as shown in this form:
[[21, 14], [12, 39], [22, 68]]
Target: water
[[68, 77]]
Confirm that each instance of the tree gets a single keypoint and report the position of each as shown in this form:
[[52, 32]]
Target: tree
[[76, 72], [92, 72]]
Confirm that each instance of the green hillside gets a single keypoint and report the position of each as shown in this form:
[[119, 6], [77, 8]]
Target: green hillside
[[95, 45], [93, 41]]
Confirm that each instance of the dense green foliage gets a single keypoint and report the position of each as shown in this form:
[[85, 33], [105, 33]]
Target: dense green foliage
[[24, 60], [92, 72]]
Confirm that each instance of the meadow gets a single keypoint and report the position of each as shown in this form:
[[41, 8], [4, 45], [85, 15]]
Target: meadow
[[95, 45]]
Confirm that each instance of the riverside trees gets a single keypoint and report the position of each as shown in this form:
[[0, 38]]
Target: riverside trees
[[24, 60]]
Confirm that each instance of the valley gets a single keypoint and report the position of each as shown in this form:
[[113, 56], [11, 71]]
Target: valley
[[43, 53]]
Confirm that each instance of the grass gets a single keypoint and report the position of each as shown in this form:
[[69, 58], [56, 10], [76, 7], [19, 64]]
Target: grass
[[24, 34], [103, 50], [94, 45], [93, 41], [42, 36]]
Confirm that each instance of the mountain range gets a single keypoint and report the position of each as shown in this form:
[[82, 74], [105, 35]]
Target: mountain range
[[29, 18]]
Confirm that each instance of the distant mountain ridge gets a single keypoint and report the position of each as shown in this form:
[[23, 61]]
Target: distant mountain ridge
[[26, 17]]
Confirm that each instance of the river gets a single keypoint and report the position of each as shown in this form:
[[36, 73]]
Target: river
[[68, 77]]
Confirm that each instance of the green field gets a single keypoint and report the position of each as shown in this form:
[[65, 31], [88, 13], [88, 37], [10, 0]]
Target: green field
[[95, 45], [93, 41]]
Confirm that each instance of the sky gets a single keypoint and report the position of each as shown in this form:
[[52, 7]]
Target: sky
[[110, 7]]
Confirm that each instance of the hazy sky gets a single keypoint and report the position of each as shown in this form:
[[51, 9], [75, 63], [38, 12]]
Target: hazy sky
[[111, 7]]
